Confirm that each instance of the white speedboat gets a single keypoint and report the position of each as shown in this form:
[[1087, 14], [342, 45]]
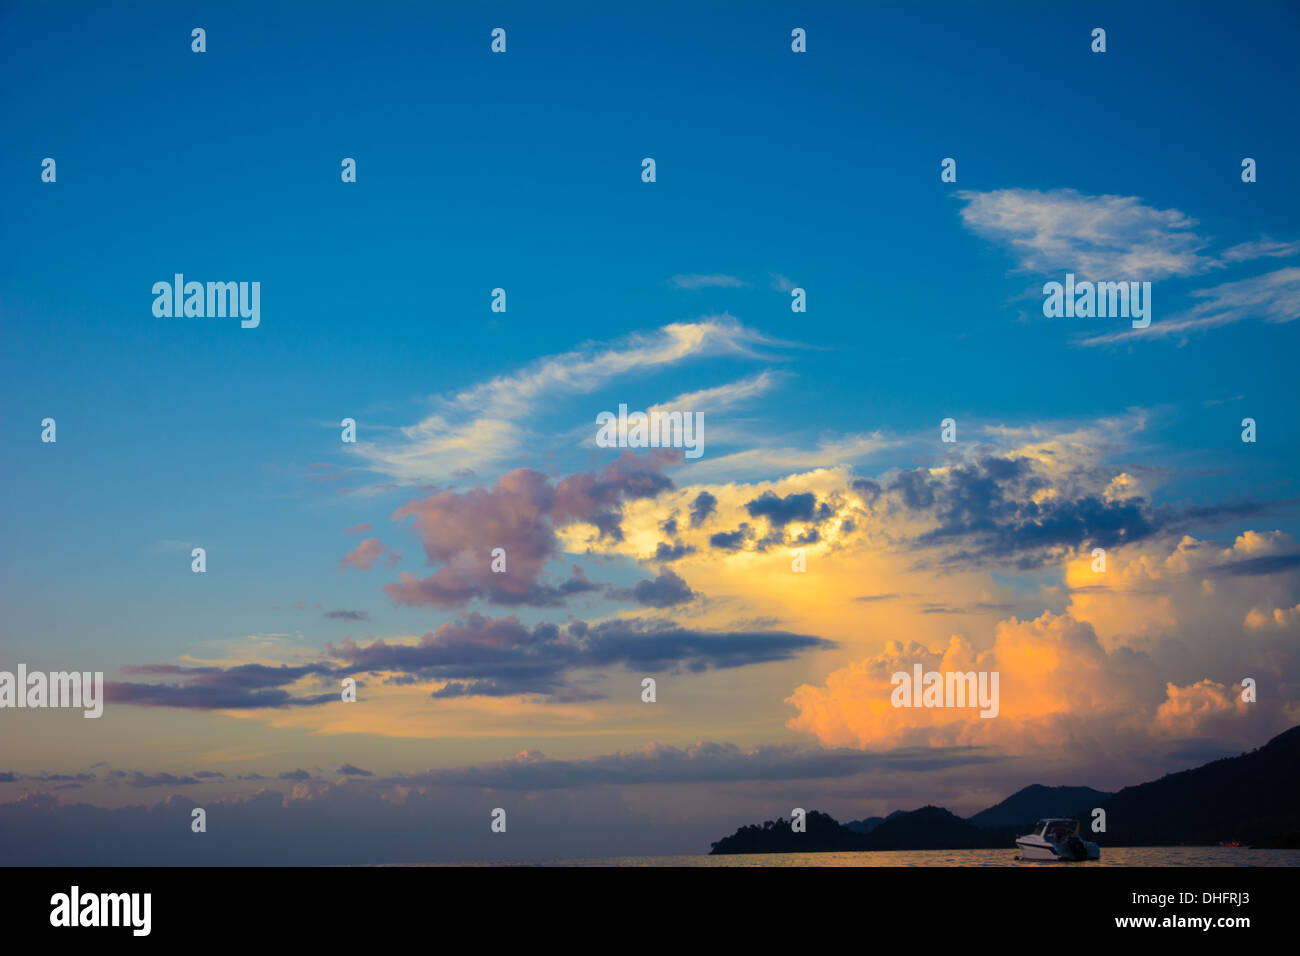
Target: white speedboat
[[1056, 838]]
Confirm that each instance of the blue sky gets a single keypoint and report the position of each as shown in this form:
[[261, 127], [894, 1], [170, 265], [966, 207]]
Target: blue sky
[[523, 171]]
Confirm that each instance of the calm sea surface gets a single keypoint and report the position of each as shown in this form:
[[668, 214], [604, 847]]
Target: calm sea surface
[[1117, 856]]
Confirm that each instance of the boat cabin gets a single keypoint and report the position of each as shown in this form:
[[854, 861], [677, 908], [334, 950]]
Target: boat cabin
[[1056, 829]]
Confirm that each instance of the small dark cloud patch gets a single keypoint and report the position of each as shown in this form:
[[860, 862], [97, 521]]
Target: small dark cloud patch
[[299, 775], [868, 489], [350, 771], [703, 506], [666, 590], [347, 615], [243, 687], [672, 552], [730, 540], [781, 511]]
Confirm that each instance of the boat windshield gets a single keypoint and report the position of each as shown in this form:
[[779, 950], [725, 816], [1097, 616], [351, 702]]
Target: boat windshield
[[1060, 829]]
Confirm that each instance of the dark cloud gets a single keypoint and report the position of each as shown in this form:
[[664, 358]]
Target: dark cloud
[[869, 489], [672, 552], [730, 540], [350, 771], [703, 506], [988, 510], [666, 590], [298, 774], [1268, 564], [663, 645], [480, 656], [496, 657], [242, 687], [347, 615], [781, 511]]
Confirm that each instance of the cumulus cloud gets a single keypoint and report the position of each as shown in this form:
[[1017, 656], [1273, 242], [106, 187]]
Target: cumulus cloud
[[459, 530], [364, 555], [666, 590], [1057, 684], [1150, 648]]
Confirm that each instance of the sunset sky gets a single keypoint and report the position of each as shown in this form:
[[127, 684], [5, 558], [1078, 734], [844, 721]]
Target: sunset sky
[[476, 429]]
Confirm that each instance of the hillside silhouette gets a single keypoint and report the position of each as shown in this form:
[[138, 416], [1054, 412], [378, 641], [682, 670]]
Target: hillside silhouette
[[1034, 802], [1253, 798]]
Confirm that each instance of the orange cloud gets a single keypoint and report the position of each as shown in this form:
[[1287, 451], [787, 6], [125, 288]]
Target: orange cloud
[[1052, 667]]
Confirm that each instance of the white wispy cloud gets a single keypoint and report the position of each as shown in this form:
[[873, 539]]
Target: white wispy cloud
[[715, 281], [1273, 297], [721, 397], [1109, 238], [486, 426], [1260, 248], [1096, 237]]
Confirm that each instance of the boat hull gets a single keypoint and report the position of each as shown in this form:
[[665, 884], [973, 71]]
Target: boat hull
[[1033, 850], [1039, 849]]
